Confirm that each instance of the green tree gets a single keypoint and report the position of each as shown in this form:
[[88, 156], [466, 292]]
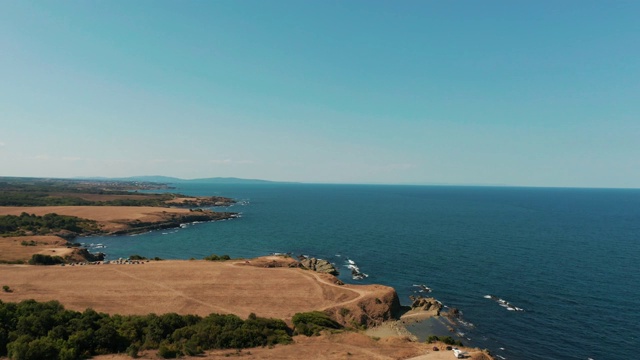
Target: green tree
[[311, 323]]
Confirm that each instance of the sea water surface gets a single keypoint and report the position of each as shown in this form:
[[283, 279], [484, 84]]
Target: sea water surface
[[567, 257]]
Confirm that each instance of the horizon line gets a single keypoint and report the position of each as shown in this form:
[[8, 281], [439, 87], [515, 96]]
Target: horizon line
[[125, 178]]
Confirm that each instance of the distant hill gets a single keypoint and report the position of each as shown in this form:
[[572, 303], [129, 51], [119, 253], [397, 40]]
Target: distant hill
[[213, 180]]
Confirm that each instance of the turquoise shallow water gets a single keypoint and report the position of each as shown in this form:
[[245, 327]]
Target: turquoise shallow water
[[568, 257]]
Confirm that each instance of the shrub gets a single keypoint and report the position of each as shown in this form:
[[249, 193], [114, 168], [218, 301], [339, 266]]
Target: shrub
[[6, 288], [191, 348], [13, 262], [214, 257], [445, 339], [137, 257], [40, 259], [132, 350], [312, 323], [168, 351]]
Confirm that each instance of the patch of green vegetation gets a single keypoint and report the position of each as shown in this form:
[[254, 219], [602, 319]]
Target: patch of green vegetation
[[6, 288], [214, 257], [33, 330], [445, 339], [355, 325], [12, 225], [28, 243], [40, 259], [12, 262], [63, 192], [137, 257], [39, 199], [312, 323]]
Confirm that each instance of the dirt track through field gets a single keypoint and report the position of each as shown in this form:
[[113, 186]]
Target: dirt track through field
[[187, 287], [202, 287], [176, 292]]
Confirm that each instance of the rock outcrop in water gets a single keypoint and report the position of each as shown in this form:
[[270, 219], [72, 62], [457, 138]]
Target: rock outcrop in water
[[426, 304], [319, 265]]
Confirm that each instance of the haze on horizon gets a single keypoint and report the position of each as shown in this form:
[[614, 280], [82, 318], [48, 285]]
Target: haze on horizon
[[538, 93]]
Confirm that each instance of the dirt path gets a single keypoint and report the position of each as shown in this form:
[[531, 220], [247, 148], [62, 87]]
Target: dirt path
[[214, 308], [201, 287], [352, 346], [186, 287], [321, 279]]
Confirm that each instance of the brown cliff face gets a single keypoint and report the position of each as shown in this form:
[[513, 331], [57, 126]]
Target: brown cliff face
[[379, 305]]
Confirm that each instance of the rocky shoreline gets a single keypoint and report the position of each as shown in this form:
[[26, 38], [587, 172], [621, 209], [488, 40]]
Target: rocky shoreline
[[172, 221], [318, 265], [101, 220]]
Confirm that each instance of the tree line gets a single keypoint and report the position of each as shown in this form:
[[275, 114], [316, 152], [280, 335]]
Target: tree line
[[42, 225], [45, 199], [46, 330], [32, 330]]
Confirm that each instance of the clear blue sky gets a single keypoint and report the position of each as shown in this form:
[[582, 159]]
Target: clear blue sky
[[535, 93]]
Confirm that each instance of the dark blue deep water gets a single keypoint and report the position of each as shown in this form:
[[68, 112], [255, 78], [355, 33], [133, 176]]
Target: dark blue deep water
[[568, 257]]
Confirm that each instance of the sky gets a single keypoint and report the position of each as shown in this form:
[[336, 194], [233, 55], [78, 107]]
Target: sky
[[519, 93]]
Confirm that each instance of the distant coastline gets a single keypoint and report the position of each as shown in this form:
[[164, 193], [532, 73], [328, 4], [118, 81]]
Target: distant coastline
[[173, 180], [47, 214]]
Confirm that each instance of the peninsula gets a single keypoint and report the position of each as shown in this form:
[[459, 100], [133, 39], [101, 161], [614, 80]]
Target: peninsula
[[40, 218], [44, 216], [269, 287]]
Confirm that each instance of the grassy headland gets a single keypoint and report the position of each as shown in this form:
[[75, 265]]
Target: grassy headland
[[66, 209], [202, 303]]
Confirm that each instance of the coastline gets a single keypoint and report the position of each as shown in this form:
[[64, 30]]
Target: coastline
[[109, 220], [239, 287], [374, 306], [187, 287], [117, 220]]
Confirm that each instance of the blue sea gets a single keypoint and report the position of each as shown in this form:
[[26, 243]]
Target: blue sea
[[567, 257]]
